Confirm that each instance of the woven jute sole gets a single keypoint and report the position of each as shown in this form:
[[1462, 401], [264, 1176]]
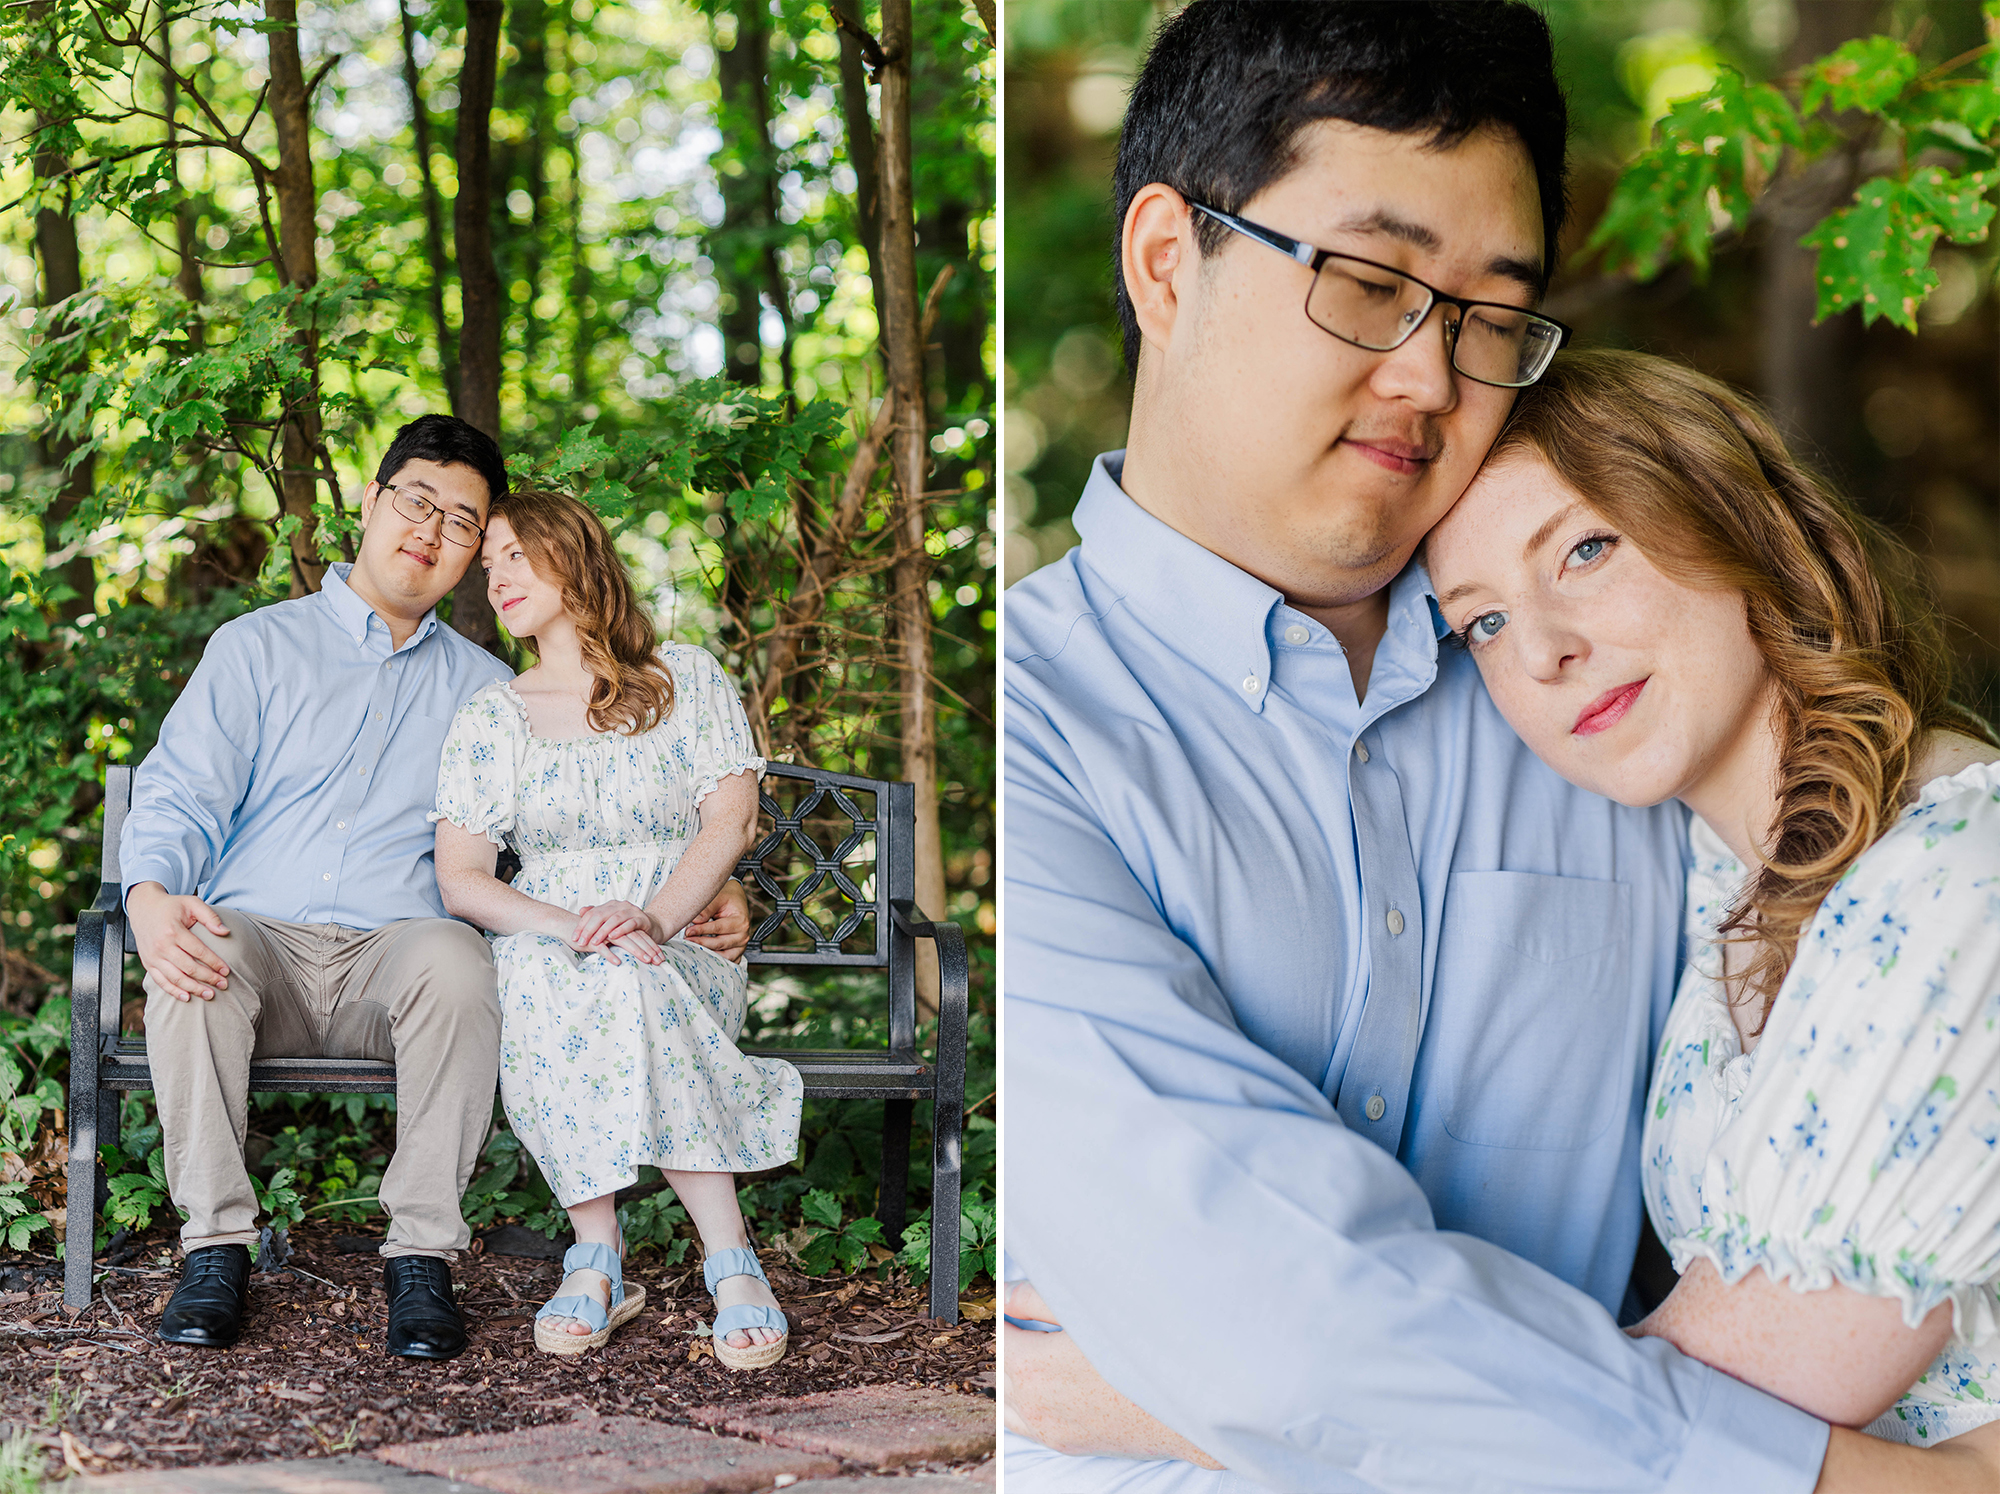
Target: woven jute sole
[[755, 1357], [555, 1341]]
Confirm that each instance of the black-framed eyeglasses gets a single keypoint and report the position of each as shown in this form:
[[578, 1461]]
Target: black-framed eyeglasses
[[418, 510], [1378, 307]]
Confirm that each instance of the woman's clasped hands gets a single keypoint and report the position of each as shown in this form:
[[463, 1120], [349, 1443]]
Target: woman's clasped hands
[[605, 928]]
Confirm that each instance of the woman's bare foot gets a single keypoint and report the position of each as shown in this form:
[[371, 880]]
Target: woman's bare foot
[[734, 1291]]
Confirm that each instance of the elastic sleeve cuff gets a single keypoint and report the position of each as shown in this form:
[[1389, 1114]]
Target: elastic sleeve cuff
[[1750, 1442], [473, 824], [712, 780]]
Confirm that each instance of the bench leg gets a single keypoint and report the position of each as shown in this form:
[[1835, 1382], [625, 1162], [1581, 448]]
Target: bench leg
[[892, 1199], [945, 1158], [84, 1103]]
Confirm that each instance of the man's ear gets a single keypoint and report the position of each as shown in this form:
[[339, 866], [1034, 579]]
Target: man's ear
[[368, 496], [1157, 251]]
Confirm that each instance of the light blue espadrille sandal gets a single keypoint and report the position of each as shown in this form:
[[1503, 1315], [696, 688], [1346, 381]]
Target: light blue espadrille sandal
[[625, 1302], [741, 1262]]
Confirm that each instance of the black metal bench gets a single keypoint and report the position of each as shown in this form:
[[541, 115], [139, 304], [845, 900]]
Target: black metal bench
[[838, 846]]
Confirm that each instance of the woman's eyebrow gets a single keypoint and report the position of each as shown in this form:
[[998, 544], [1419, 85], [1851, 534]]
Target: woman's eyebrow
[[1541, 536]]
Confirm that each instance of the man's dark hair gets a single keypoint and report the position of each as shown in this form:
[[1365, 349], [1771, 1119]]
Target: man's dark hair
[[1229, 84], [450, 442]]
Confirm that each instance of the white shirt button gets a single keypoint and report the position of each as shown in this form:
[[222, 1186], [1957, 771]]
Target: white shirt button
[[340, 824], [378, 715], [1361, 751], [1296, 634], [326, 876], [1376, 1107], [1251, 684], [1395, 922]]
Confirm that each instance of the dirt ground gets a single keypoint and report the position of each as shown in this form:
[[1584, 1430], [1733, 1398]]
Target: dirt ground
[[310, 1376]]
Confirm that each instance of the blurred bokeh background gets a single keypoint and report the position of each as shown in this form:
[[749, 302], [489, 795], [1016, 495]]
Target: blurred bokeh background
[[1909, 425]]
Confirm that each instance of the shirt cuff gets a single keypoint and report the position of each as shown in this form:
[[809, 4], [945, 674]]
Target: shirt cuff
[[132, 876], [1751, 1442]]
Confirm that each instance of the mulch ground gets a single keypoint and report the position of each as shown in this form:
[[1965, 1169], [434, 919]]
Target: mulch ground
[[310, 1377]]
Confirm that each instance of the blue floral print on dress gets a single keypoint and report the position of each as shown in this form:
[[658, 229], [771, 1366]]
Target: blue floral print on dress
[[1856, 1143], [606, 1068]]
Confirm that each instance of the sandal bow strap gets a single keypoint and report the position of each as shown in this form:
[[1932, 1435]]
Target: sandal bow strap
[[583, 1256], [584, 1309], [734, 1262], [748, 1315]]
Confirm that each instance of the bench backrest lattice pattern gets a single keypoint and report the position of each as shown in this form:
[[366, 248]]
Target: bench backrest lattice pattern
[[817, 878], [831, 880]]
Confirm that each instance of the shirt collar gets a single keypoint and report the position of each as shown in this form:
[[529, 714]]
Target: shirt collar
[[355, 616], [1221, 616], [1193, 599]]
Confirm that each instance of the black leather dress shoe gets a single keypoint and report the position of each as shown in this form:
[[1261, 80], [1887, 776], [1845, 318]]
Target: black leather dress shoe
[[207, 1307], [423, 1320]]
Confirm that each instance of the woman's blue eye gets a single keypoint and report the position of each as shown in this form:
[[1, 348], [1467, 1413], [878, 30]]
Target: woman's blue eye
[[1588, 550], [1485, 627]]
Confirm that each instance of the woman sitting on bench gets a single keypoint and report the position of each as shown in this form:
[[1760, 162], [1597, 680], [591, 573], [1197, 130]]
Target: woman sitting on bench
[[621, 772]]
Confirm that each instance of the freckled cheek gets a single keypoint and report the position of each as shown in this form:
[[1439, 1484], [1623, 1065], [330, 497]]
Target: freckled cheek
[[1524, 706]]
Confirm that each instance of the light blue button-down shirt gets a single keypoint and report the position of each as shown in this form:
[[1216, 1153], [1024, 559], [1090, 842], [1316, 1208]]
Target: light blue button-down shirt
[[1327, 1028], [293, 775]]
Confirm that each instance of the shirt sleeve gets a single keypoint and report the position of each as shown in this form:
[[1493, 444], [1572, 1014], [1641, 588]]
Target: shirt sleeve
[[186, 793], [1862, 1151], [717, 731], [1265, 1281], [479, 770]]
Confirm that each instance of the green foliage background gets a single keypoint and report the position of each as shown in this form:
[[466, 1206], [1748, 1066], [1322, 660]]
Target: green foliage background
[[615, 164]]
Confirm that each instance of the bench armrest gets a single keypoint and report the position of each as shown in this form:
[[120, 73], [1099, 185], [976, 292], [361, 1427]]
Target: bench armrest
[[954, 983]]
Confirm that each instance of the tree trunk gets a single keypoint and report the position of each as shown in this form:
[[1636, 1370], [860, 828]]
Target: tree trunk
[[860, 137], [433, 217], [62, 277], [740, 246], [524, 93], [479, 280], [188, 277], [896, 305], [298, 267], [1805, 368]]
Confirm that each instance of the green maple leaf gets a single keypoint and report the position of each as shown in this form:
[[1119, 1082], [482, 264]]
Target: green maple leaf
[[1708, 157], [1958, 203], [1876, 255], [1866, 73]]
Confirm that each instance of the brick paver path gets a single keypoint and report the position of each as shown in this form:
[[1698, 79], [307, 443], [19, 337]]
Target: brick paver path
[[610, 1455], [888, 1427], [344, 1475], [808, 1444]]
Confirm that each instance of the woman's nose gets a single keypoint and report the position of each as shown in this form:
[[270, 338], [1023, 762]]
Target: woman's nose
[[1548, 646]]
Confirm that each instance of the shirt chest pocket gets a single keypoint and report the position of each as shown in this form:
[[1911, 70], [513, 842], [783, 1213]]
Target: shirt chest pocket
[[1532, 1009]]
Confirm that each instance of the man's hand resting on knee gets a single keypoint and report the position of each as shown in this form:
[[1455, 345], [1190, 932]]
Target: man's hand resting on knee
[[1054, 1396], [724, 925], [163, 927]]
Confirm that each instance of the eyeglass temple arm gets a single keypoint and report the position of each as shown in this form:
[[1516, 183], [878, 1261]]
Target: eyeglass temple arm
[[1305, 254]]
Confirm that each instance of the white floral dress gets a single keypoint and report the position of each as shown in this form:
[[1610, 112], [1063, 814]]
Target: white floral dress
[[605, 1068], [1856, 1142]]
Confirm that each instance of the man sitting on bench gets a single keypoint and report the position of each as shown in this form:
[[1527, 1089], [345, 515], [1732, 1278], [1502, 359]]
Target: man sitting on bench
[[278, 877]]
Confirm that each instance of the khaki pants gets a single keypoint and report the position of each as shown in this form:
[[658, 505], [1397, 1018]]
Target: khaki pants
[[419, 992]]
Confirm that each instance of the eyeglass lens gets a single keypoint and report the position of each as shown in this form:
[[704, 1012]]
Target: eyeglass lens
[[418, 510], [1377, 309]]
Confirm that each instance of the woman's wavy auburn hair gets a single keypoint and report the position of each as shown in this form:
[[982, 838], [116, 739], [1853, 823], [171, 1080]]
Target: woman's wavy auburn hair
[[568, 544], [1695, 475]]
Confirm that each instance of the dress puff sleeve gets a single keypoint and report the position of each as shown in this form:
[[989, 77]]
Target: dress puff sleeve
[[714, 731], [1864, 1150], [479, 773]]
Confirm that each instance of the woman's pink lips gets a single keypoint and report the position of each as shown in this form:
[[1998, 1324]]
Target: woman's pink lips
[[510, 602], [1382, 457], [1607, 710]]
